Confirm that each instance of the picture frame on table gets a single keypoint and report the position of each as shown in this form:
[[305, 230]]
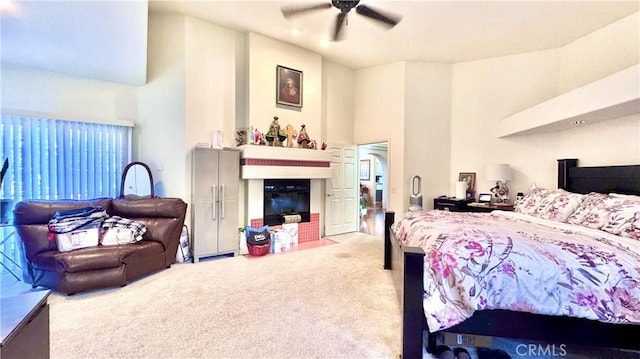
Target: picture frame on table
[[288, 86], [469, 177], [365, 166]]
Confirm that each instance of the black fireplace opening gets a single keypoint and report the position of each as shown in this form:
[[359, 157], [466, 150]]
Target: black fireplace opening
[[286, 197]]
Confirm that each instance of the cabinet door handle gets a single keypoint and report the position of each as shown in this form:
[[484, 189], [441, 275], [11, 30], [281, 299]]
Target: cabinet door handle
[[221, 201], [214, 203]]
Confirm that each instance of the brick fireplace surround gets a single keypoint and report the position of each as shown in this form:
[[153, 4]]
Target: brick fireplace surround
[[264, 162]]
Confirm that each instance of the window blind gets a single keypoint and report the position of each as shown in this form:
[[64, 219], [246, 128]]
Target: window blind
[[60, 159]]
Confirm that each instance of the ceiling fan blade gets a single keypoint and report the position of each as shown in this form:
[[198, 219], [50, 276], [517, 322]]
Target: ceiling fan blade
[[288, 11], [339, 26], [390, 20]]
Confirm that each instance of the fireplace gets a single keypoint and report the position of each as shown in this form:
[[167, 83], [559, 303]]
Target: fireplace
[[286, 197]]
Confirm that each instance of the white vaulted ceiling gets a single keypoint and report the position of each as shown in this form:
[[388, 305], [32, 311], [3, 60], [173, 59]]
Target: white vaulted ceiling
[[104, 40], [107, 39]]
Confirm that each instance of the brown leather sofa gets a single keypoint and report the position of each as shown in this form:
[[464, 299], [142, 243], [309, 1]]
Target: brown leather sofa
[[101, 266]]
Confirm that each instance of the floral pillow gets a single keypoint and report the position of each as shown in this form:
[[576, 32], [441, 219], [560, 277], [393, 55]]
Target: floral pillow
[[624, 216], [558, 205], [592, 212], [619, 215], [531, 202]]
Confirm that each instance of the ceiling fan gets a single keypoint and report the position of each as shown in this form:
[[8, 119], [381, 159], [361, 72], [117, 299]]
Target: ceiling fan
[[345, 6]]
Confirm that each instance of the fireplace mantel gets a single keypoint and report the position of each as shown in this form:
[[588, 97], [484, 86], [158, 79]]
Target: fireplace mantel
[[260, 162]]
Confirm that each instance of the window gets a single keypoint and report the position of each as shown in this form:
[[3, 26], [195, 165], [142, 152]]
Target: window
[[60, 159]]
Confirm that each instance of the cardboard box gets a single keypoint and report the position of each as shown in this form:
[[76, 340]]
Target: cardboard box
[[280, 241], [292, 231]]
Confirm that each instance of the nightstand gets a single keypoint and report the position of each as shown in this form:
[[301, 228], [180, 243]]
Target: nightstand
[[451, 204], [483, 207]]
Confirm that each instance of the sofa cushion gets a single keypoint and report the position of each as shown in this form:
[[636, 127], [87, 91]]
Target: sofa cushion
[[144, 249]]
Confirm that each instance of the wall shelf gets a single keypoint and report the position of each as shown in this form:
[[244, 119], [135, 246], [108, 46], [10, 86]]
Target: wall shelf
[[614, 96]]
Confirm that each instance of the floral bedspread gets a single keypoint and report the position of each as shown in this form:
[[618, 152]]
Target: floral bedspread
[[507, 260]]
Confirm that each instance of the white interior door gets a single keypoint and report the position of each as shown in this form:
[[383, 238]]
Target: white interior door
[[341, 201]]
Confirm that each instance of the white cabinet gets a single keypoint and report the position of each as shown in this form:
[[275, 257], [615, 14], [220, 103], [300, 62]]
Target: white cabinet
[[214, 201]]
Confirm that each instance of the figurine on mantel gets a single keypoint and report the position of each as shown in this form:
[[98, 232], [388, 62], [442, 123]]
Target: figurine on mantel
[[313, 145], [256, 137], [303, 138], [241, 137], [262, 141], [275, 135], [291, 135]]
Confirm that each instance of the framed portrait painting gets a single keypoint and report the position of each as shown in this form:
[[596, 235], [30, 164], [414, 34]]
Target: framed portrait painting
[[288, 86]]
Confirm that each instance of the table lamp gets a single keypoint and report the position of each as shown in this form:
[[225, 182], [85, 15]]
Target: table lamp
[[501, 173]]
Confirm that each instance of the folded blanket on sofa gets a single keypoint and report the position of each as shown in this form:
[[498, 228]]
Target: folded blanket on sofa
[[138, 229]]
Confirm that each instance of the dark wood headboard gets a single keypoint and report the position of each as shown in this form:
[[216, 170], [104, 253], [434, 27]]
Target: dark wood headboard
[[603, 179]]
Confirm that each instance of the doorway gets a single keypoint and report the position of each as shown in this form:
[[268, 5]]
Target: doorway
[[374, 184]]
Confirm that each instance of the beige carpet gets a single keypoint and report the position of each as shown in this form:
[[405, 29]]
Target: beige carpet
[[329, 302]]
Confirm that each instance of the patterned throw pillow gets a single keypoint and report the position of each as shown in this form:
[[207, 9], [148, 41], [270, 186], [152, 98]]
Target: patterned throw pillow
[[592, 212], [558, 205], [619, 215], [624, 216], [530, 203]]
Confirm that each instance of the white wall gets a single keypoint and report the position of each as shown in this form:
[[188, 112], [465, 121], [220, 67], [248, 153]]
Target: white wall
[[448, 124], [601, 53], [210, 81], [379, 116], [264, 54], [427, 130], [338, 103], [408, 104], [161, 117], [61, 96], [483, 92], [211, 56], [486, 91]]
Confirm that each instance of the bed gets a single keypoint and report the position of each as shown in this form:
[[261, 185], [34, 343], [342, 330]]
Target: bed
[[567, 324]]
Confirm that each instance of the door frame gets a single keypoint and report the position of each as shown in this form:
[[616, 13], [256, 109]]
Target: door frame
[[385, 167]]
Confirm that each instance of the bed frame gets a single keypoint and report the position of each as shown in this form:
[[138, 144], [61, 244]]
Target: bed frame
[[407, 266]]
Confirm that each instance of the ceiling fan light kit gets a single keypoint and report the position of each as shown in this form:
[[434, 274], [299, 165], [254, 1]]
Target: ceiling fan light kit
[[345, 6]]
